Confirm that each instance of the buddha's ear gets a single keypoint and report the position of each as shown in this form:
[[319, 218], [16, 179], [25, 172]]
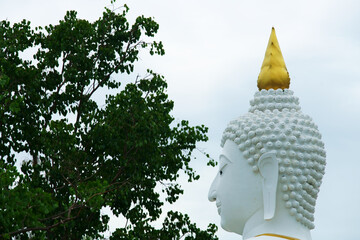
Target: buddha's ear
[[269, 170]]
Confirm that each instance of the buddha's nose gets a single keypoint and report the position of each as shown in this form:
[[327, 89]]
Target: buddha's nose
[[212, 190]]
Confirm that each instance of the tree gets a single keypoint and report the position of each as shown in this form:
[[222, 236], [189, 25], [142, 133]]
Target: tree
[[83, 157]]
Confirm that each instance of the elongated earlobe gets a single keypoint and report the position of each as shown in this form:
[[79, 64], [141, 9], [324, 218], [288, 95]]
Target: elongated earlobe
[[269, 171]]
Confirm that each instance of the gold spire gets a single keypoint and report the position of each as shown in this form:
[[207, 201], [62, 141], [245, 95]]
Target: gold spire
[[273, 72]]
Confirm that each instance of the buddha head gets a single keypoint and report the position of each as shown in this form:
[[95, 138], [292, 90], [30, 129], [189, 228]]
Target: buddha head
[[272, 164]]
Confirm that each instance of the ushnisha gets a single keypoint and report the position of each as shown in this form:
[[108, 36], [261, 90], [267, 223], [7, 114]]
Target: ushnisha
[[272, 163]]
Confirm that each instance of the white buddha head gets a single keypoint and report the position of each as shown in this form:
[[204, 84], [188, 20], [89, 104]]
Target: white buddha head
[[272, 157]]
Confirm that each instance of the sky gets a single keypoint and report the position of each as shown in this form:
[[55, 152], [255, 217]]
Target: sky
[[214, 51]]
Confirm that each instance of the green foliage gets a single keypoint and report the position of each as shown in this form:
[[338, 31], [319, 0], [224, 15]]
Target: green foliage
[[175, 226], [83, 157]]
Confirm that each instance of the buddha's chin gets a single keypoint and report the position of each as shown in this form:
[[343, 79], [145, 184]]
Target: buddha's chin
[[229, 226]]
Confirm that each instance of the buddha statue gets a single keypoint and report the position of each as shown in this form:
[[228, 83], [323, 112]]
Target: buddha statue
[[272, 162]]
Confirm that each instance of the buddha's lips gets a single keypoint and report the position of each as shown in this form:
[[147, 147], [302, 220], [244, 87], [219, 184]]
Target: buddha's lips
[[218, 205]]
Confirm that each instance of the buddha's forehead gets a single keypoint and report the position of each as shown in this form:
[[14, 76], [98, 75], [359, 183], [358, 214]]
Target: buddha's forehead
[[231, 152]]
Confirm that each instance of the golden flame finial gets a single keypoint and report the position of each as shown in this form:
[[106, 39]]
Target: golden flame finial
[[273, 72]]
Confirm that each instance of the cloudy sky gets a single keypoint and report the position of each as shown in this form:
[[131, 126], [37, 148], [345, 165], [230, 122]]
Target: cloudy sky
[[214, 50]]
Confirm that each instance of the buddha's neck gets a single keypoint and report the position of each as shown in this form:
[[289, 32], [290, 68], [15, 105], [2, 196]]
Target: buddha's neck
[[282, 224]]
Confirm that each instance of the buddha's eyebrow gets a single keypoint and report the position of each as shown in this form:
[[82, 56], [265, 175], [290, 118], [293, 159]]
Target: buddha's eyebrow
[[223, 160]]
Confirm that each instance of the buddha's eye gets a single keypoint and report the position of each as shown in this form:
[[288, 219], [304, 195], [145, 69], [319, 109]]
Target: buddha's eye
[[224, 161], [221, 171]]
